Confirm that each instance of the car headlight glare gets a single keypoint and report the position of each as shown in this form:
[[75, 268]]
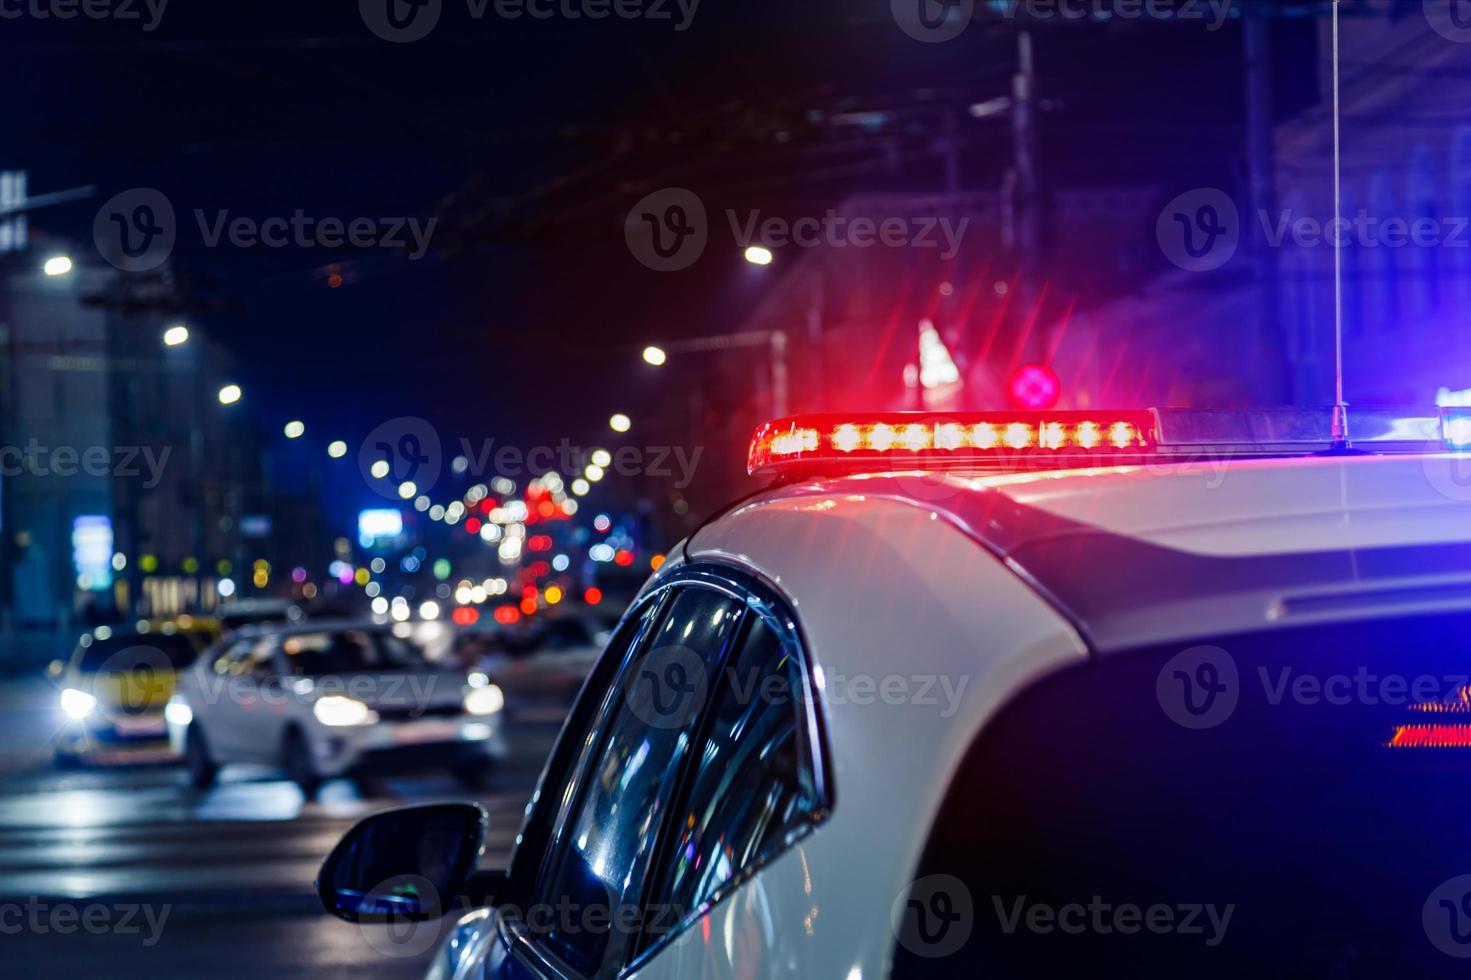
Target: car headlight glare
[[77, 704], [336, 711], [178, 712], [485, 700]]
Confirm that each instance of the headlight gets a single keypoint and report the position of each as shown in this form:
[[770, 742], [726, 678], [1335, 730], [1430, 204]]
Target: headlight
[[178, 712], [77, 704], [485, 700], [341, 712]]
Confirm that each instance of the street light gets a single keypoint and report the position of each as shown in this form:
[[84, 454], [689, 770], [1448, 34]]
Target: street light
[[655, 355], [759, 255], [620, 423], [58, 265], [176, 335], [295, 430], [337, 449], [230, 394]]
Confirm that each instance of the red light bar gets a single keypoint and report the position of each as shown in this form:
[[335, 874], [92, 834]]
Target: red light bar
[[929, 440], [1431, 737]]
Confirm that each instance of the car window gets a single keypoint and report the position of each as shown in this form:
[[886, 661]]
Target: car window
[[553, 791], [346, 651], [1295, 798], [172, 650], [606, 841], [755, 786]]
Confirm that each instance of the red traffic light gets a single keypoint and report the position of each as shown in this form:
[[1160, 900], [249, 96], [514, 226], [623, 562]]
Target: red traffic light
[[1034, 387]]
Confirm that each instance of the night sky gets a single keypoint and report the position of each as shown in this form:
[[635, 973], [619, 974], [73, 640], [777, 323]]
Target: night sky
[[530, 140]]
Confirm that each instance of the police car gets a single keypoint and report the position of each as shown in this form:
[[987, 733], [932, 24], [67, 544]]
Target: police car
[[1154, 693]]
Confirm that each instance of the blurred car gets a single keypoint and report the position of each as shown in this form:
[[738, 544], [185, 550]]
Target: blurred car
[[324, 700], [543, 663], [116, 683], [257, 610]]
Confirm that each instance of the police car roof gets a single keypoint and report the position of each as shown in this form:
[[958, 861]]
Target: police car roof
[[1146, 554]]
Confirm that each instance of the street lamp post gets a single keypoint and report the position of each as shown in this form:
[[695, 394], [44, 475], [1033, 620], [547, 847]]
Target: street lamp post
[[775, 341]]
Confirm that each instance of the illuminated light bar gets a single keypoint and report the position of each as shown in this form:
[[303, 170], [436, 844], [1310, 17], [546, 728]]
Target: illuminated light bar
[[925, 440], [1459, 704], [1000, 440], [1456, 428], [1431, 737]]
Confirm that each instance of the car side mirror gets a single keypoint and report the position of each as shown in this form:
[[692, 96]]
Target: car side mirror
[[413, 864]]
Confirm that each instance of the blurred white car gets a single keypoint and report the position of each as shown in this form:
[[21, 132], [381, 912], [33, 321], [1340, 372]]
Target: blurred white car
[[337, 699]]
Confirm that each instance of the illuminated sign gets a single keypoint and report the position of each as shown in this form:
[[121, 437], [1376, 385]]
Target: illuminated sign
[[92, 552], [380, 523]]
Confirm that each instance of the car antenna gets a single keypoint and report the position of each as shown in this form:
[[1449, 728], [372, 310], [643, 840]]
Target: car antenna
[[1340, 409]]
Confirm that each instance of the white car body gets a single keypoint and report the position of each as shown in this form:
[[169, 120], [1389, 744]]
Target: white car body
[[919, 574], [419, 716]]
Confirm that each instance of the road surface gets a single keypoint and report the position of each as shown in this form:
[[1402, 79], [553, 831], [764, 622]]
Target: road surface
[[129, 872]]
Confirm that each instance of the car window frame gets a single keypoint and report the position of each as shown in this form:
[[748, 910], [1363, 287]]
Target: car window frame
[[758, 597], [518, 939], [764, 603], [588, 708]]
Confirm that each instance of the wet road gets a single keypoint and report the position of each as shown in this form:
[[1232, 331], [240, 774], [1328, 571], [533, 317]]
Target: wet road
[[128, 872]]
